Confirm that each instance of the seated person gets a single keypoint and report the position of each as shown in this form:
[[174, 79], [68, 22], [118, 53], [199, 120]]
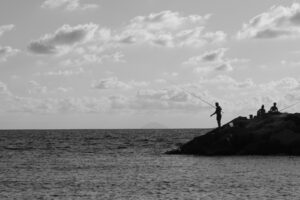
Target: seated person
[[274, 109], [261, 111]]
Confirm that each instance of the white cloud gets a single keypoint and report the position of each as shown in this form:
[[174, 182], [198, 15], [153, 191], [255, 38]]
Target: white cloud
[[83, 44], [213, 60], [226, 66], [4, 89], [70, 5], [110, 83], [138, 84], [209, 56], [242, 97], [36, 88], [278, 22], [169, 99], [6, 52], [58, 105], [72, 72], [63, 89], [6, 28], [90, 58], [160, 81], [63, 39], [114, 83], [287, 83], [87, 44], [170, 74], [230, 83], [169, 29], [165, 20]]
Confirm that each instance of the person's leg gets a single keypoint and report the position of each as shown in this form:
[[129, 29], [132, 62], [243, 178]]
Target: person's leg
[[219, 121]]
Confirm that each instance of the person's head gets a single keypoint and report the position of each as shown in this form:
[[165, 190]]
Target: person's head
[[263, 106], [217, 104], [274, 103]]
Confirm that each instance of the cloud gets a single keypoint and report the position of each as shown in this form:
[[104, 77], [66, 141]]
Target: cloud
[[114, 83], [169, 29], [6, 52], [88, 44], [36, 88], [239, 96], [65, 73], [110, 83], [213, 61], [58, 105], [63, 39], [165, 20], [230, 83], [93, 57], [3, 89], [209, 56], [278, 22], [69, 5], [226, 66], [169, 99], [287, 83], [83, 44], [6, 28]]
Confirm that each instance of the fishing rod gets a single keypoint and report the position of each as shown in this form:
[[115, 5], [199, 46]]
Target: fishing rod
[[198, 97], [289, 106], [201, 99]]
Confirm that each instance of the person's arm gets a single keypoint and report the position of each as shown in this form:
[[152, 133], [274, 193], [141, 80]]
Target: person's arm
[[213, 113]]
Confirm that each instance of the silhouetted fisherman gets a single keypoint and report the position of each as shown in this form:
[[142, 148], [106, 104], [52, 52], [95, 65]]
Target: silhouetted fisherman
[[218, 112], [261, 111], [274, 109]]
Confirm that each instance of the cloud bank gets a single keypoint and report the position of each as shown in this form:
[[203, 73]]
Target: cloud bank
[[6, 28], [6, 52], [169, 29], [278, 22], [63, 39], [69, 5], [214, 60]]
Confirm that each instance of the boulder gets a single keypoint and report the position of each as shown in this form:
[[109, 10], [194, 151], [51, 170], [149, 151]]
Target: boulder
[[272, 134]]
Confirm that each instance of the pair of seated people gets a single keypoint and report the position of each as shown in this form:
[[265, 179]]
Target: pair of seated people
[[273, 110]]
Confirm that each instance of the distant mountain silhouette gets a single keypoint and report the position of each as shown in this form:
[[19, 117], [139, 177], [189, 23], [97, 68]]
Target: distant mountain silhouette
[[154, 125]]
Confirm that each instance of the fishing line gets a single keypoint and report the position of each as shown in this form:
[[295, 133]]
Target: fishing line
[[289, 106], [194, 95], [197, 97]]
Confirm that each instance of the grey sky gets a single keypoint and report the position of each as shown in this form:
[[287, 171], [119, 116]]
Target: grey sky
[[111, 64]]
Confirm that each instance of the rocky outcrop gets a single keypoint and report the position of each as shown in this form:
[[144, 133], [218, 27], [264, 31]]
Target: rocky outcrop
[[272, 134]]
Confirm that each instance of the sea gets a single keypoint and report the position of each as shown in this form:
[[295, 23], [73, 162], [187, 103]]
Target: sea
[[132, 165]]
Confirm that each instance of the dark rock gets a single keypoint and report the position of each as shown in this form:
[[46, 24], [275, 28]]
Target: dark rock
[[272, 134]]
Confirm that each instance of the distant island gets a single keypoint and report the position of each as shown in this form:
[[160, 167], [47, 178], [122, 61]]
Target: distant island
[[271, 134]]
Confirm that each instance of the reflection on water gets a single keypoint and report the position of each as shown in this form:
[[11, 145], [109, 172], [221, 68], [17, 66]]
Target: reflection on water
[[130, 164]]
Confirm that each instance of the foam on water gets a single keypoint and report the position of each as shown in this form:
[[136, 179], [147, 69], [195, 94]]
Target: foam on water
[[130, 164]]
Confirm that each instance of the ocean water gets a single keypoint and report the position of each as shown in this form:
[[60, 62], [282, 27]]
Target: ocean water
[[131, 164]]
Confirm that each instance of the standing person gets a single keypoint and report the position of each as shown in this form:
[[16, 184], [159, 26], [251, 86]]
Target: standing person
[[218, 112]]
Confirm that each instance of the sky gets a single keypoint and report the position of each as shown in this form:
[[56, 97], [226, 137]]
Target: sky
[[116, 64]]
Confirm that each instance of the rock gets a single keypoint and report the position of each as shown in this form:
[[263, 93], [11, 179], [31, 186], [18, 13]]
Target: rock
[[272, 134]]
